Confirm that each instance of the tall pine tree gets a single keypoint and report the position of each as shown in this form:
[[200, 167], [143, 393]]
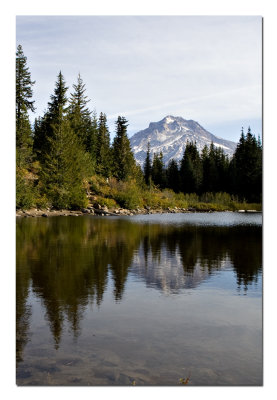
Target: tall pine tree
[[158, 171], [92, 138], [24, 103], [173, 176], [124, 165], [210, 170], [191, 170], [102, 148], [246, 168], [65, 167], [147, 166], [53, 117], [80, 115], [24, 83]]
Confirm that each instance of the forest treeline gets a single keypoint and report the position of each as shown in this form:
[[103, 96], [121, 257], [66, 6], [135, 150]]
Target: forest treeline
[[68, 155]]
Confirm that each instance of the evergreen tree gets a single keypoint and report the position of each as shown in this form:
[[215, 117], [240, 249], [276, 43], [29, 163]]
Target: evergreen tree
[[222, 166], [24, 91], [53, 117], [92, 138], [65, 167], [215, 170], [147, 166], [246, 168], [205, 168], [40, 136], [24, 103], [139, 175], [158, 171], [173, 177], [124, 165], [24, 186], [186, 175], [57, 105], [191, 170], [102, 148], [24, 142], [215, 166], [80, 115]]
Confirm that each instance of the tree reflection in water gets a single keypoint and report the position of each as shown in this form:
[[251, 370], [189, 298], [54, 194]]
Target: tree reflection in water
[[66, 262]]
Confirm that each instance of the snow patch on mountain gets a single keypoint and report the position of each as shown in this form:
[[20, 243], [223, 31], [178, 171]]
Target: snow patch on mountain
[[170, 136], [169, 119]]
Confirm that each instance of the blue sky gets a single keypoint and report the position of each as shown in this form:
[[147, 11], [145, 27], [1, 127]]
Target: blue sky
[[208, 69]]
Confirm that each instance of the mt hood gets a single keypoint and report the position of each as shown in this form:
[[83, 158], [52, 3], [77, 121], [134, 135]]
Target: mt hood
[[170, 136]]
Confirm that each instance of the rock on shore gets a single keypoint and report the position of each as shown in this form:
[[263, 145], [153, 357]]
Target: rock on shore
[[97, 210]]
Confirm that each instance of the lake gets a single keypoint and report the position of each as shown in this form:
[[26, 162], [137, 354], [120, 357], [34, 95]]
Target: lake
[[142, 300]]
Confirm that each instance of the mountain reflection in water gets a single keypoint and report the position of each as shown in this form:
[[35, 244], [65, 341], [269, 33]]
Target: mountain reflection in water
[[67, 263]]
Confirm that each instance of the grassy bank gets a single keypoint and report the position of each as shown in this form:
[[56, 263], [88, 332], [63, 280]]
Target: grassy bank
[[130, 195]]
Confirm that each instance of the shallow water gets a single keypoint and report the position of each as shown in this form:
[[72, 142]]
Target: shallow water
[[145, 300]]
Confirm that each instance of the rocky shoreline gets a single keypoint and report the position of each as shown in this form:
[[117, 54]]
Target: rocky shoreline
[[105, 212], [97, 211]]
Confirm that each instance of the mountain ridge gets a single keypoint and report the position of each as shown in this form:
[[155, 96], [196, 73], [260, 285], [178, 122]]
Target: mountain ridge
[[170, 136]]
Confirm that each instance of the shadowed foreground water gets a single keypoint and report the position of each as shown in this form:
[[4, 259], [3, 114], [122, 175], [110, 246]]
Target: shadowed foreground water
[[143, 300]]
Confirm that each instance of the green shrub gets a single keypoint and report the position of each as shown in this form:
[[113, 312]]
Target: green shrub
[[42, 202], [77, 199], [25, 191], [216, 198], [164, 199], [191, 198], [129, 196], [181, 204], [104, 201]]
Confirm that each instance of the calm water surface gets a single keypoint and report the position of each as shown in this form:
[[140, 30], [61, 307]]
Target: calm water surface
[[145, 299]]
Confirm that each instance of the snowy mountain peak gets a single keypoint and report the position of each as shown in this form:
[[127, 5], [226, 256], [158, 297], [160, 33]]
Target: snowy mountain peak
[[169, 119], [170, 136]]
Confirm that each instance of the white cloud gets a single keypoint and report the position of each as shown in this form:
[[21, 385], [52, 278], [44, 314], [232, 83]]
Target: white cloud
[[203, 68]]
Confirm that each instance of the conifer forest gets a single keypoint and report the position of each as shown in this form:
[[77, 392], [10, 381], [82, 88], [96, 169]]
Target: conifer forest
[[66, 159]]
